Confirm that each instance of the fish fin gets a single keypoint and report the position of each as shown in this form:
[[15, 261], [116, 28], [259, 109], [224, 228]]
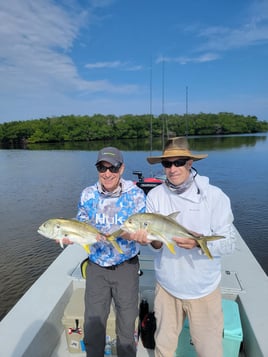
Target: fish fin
[[204, 247], [171, 247], [173, 215], [61, 243], [162, 238], [87, 248]]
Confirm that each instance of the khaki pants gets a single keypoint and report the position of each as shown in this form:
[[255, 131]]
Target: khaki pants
[[205, 322]]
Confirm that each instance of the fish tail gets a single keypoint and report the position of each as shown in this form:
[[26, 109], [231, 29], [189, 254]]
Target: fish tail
[[202, 241], [204, 247], [87, 248], [116, 233], [209, 238], [83, 267], [113, 241]]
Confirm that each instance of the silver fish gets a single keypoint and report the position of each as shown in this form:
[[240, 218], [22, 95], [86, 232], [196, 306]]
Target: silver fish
[[77, 232], [163, 228]]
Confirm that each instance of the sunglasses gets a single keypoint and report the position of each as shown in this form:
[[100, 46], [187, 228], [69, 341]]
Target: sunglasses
[[176, 163], [113, 169]]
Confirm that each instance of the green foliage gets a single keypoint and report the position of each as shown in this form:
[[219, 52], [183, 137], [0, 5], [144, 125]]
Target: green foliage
[[71, 128]]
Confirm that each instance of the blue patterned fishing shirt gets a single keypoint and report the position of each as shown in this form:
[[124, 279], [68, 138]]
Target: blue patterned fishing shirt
[[107, 214]]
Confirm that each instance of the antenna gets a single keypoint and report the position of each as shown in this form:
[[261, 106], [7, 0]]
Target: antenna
[[186, 112], [151, 115], [163, 103]]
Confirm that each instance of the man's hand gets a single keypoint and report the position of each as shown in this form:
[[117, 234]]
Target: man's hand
[[186, 243], [140, 236], [64, 240]]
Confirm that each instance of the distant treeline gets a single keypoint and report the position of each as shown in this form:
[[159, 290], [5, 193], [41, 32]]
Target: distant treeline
[[71, 128]]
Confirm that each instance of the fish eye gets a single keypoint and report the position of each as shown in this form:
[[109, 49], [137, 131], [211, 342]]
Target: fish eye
[[58, 226]]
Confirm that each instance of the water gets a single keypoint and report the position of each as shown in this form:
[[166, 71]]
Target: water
[[39, 184]]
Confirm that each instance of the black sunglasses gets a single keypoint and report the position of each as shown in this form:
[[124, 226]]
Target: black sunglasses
[[176, 163], [102, 168]]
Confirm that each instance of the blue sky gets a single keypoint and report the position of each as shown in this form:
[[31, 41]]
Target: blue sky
[[111, 56]]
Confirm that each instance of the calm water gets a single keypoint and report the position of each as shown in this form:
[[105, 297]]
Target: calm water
[[46, 182]]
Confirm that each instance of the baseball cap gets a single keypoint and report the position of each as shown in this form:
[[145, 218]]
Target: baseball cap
[[111, 155]]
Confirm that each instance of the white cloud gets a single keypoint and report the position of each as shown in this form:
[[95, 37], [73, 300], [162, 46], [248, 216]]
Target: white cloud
[[212, 40], [205, 57], [114, 64], [36, 39], [42, 72], [252, 31]]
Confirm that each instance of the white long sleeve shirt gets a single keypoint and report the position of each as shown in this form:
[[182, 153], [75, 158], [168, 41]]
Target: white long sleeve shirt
[[204, 209]]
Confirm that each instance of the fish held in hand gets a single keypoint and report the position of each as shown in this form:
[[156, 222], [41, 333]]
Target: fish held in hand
[[164, 228], [75, 231]]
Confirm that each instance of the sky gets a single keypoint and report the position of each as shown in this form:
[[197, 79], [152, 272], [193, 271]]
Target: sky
[[84, 57]]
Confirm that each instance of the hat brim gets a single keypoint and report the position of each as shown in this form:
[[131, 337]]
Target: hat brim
[[109, 159], [158, 159]]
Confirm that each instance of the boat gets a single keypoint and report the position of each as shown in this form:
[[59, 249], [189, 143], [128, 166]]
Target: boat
[[35, 325]]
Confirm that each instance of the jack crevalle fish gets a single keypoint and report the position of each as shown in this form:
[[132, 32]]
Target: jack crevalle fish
[[163, 228], [76, 231]]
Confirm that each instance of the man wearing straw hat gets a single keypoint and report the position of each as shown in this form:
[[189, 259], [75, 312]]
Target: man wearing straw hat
[[188, 282]]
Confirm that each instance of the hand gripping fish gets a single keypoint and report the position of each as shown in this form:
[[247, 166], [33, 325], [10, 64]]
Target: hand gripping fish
[[163, 228], [76, 231]]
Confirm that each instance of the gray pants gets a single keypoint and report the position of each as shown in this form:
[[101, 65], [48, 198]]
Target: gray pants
[[102, 285]]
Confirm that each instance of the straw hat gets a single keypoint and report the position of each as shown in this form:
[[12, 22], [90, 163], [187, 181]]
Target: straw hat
[[176, 147]]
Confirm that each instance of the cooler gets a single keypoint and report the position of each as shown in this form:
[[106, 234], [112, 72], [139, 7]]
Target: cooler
[[232, 334], [73, 321]]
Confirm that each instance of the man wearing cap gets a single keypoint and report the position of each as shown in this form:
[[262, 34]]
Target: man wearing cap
[[111, 274], [188, 282]]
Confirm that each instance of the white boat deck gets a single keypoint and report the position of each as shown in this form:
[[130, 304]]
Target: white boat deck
[[147, 282], [62, 351], [33, 328]]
